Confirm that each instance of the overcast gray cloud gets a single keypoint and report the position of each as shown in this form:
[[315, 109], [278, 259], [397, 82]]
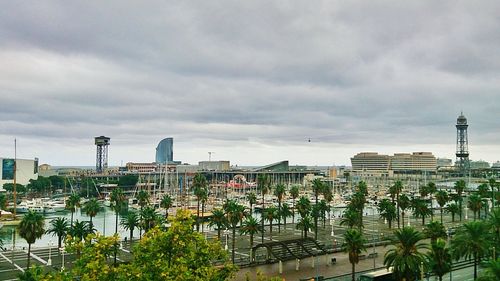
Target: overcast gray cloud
[[250, 80]]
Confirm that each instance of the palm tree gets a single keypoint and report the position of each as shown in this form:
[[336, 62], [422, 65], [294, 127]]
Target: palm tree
[[117, 204], [199, 189], [59, 226], [3, 202], [494, 221], [475, 203], [323, 209], [492, 271], [351, 218], [218, 220], [31, 228], [149, 218], [406, 257], [235, 213], [431, 188], [354, 244], [279, 192], [72, 203], [315, 214], [420, 209], [434, 230], [493, 184], [203, 201], [305, 224], [130, 222], [303, 206], [142, 199], [286, 212], [166, 203], [80, 230], [404, 203], [453, 209], [270, 213], [358, 202], [460, 188], [252, 199], [394, 191], [440, 258], [250, 227], [442, 198], [91, 208], [387, 210], [294, 193], [473, 240], [263, 186], [317, 187]]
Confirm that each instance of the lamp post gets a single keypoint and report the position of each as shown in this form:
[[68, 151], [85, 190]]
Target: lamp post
[[315, 262], [13, 243], [226, 234], [49, 261], [451, 262], [62, 252], [332, 221]]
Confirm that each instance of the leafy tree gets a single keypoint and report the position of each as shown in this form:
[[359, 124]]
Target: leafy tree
[[305, 224], [263, 186], [472, 240], [91, 208], [59, 226], [10, 187], [407, 255], [475, 203], [279, 192], [404, 203], [166, 203], [453, 209], [130, 222], [460, 188], [354, 245], [434, 230], [31, 228], [387, 210], [250, 227], [440, 258], [294, 193], [72, 203], [442, 198]]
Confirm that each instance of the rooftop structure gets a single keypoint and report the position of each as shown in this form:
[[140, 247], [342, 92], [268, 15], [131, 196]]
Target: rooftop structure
[[102, 144], [462, 152]]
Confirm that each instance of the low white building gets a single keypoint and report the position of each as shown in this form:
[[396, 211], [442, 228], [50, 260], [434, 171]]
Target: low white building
[[26, 169]]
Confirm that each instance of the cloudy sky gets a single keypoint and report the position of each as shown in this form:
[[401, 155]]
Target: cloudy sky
[[252, 81]]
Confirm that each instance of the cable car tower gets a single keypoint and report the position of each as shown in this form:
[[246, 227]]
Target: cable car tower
[[462, 161], [102, 144]]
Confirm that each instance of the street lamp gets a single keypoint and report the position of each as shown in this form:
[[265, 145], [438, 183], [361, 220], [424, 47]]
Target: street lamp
[[451, 262], [49, 261], [62, 252], [226, 234], [332, 221]]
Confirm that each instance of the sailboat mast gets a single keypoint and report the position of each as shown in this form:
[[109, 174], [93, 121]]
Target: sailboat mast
[[14, 194]]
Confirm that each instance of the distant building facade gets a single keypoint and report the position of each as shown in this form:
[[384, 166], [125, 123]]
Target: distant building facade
[[444, 162], [164, 151], [26, 169], [384, 165], [480, 164], [214, 165]]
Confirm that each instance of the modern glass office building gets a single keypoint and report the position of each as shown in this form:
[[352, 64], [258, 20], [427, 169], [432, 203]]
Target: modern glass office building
[[164, 151]]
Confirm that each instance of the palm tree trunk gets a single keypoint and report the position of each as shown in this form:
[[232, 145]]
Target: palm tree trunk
[[271, 229], [72, 217], [441, 215], [91, 226], [279, 216], [218, 233], [140, 228], [353, 274], [262, 217], [423, 220], [198, 215], [203, 215], [29, 255], [131, 235], [397, 208], [452, 217], [475, 266], [403, 218], [293, 211], [234, 238], [116, 231]]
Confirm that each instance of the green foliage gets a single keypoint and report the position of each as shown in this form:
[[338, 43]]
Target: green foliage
[[130, 222], [492, 272], [387, 211], [440, 258], [434, 230], [354, 245], [59, 226], [10, 187], [406, 256], [305, 224], [303, 206], [218, 220], [166, 203], [31, 228], [128, 180]]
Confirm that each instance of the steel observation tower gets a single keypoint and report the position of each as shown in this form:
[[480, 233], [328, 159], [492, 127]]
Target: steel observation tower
[[462, 161]]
